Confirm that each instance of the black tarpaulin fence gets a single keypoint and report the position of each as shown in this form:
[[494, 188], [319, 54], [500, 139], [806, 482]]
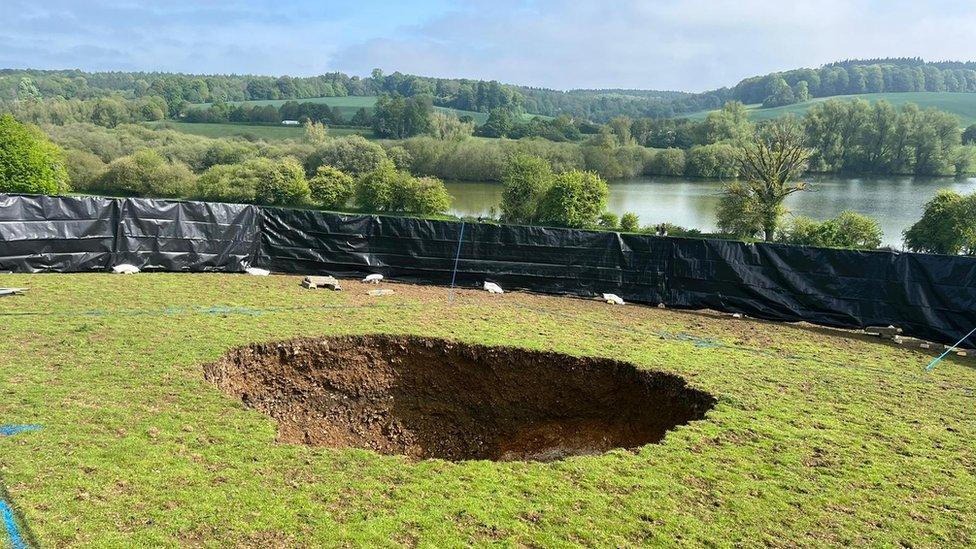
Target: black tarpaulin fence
[[928, 296]]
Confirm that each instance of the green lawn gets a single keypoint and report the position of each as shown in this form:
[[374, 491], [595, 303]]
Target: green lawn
[[820, 437], [962, 105], [269, 133]]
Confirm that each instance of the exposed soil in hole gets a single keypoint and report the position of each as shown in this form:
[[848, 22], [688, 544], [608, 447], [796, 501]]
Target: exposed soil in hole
[[431, 398]]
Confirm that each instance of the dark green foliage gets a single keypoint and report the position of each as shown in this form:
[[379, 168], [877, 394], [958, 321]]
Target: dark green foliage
[[29, 161], [396, 117], [947, 226], [969, 135]]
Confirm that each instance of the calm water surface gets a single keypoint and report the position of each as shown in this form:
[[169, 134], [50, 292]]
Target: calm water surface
[[896, 202]]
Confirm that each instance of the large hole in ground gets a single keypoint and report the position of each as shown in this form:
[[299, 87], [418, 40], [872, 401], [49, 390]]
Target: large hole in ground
[[431, 398]]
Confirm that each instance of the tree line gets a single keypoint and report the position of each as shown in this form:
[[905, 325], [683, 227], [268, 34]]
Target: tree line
[[351, 173], [774, 89]]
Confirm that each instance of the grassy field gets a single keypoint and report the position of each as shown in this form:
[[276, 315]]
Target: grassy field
[[819, 437], [350, 104], [269, 133], [962, 105]]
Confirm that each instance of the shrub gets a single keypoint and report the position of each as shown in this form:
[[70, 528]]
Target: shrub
[[146, 173], [847, 230], [947, 226], [608, 221], [84, 169], [400, 156], [526, 180], [668, 162], [575, 199], [331, 188], [388, 189], [353, 155], [280, 183], [429, 196], [229, 183], [737, 214], [29, 161], [374, 191], [630, 223]]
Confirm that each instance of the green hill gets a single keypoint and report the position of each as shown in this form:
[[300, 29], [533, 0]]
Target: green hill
[[962, 105], [348, 105]]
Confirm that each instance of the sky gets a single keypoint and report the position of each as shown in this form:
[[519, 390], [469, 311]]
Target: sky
[[689, 45]]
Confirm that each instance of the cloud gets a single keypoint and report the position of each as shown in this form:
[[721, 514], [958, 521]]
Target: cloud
[[662, 44]]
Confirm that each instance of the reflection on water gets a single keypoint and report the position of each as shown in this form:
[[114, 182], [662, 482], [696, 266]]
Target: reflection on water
[[896, 202]]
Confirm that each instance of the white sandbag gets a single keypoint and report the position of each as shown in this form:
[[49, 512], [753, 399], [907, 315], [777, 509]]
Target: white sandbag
[[254, 271], [373, 279], [493, 288], [125, 268], [613, 299]]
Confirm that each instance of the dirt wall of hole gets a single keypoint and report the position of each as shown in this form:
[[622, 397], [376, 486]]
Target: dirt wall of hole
[[432, 398]]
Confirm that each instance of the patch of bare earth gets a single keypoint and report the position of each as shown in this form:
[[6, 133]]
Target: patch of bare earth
[[433, 398]]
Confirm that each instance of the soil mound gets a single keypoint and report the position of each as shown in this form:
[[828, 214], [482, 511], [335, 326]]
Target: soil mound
[[432, 398]]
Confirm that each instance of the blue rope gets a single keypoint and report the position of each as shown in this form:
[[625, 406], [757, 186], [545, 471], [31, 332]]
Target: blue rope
[[935, 361], [11, 430], [457, 259], [16, 540]]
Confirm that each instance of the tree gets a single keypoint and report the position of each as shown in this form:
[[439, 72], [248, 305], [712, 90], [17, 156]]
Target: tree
[[449, 127], [526, 180], [29, 162], [27, 90], [670, 162], [575, 199], [780, 93], [315, 133], [397, 118], [331, 188], [280, 183], [500, 122], [730, 123], [768, 165], [947, 226], [969, 135]]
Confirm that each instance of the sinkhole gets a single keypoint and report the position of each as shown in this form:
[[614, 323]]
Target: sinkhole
[[432, 398]]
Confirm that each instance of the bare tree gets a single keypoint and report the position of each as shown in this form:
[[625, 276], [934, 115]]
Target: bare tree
[[769, 165]]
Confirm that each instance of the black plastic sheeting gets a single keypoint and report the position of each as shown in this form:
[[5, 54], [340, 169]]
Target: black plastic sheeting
[[928, 296]]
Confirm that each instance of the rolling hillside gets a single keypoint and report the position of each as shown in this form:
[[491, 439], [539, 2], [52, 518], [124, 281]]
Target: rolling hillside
[[348, 105], [962, 105]]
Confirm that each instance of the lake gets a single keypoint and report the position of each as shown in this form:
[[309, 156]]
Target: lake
[[896, 202]]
